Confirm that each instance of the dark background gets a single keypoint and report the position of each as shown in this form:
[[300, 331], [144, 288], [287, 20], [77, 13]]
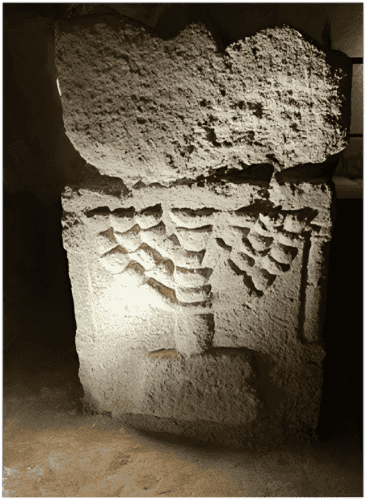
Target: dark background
[[39, 161]]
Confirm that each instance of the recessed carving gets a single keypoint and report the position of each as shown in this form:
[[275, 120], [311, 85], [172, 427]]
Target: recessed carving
[[132, 276], [246, 245], [166, 292], [262, 249], [115, 260], [105, 241], [244, 261], [100, 213], [259, 242], [294, 224], [137, 267], [164, 354], [266, 250], [122, 219], [129, 239], [149, 217], [241, 231], [249, 283], [188, 218], [283, 253], [273, 266], [187, 258], [146, 256], [221, 243], [262, 279], [192, 277], [199, 294], [194, 239]]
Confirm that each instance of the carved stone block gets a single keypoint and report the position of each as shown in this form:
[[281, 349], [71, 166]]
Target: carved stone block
[[209, 313], [197, 234]]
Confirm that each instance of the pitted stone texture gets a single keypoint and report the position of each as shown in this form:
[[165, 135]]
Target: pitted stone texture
[[200, 386], [149, 308], [148, 110]]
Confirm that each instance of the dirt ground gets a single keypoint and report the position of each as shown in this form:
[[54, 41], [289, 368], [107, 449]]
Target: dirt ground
[[52, 449]]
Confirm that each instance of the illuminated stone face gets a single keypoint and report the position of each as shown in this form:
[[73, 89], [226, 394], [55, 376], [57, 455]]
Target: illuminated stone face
[[253, 250], [198, 271], [150, 110], [173, 295]]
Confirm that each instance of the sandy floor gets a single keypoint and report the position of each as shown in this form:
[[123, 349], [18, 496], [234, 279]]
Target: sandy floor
[[52, 449]]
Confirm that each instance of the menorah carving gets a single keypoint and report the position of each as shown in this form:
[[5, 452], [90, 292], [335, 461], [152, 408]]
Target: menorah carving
[[197, 237], [140, 249], [168, 279], [265, 249]]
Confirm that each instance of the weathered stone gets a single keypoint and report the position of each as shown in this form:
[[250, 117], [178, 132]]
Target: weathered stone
[[199, 274], [149, 110], [264, 298]]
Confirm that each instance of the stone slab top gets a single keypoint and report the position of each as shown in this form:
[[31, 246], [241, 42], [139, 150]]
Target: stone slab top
[[148, 110]]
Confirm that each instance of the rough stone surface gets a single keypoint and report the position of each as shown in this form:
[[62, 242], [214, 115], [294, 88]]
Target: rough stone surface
[[150, 110], [198, 269], [200, 307]]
